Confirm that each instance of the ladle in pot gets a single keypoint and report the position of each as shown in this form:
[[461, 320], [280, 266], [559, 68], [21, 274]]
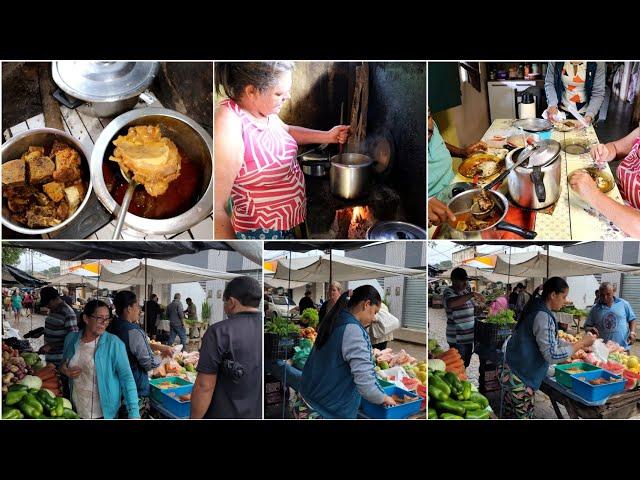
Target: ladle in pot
[[124, 207]]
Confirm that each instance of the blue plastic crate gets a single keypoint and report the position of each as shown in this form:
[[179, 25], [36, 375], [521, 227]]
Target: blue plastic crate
[[174, 406], [403, 410], [156, 393], [594, 393]]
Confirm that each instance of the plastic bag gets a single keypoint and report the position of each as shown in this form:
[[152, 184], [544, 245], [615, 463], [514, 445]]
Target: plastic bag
[[302, 352], [384, 324]]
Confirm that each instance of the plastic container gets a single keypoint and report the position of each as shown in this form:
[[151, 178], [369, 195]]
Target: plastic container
[[402, 410], [156, 392], [595, 393], [175, 406], [384, 384], [566, 379]]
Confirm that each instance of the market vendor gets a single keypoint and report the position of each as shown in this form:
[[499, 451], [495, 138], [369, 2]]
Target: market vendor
[[533, 346], [229, 381], [340, 370], [335, 290], [440, 170], [612, 318], [141, 359], [60, 321], [97, 366], [460, 313]]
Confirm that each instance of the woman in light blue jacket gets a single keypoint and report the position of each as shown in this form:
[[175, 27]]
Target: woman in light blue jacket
[[97, 365]]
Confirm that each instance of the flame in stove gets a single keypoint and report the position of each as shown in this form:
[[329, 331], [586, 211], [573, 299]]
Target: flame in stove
[[360, 214]]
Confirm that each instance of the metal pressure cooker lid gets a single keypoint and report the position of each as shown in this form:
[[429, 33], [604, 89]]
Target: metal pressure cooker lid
[[545, 153], [103, 81], [395, 231]]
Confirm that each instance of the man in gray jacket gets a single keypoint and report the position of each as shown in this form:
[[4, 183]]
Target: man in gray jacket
[[175, 311]]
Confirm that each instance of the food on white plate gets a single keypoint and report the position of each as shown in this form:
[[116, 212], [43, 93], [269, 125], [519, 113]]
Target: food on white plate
[[153, 159], [565, 125]]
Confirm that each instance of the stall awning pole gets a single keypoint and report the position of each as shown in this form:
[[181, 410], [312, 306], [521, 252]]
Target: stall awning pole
[[545, 280], [330, 268], [146, 288]]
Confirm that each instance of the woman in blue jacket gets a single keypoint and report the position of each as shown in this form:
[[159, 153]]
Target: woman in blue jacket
[[98, 368], [534, 346], [340, 368]]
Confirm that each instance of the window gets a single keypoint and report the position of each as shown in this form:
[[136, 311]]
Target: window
[[470, 72]]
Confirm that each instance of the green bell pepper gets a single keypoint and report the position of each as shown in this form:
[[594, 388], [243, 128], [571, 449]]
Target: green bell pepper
[[477, 415], [58, 408], [439, 383], [18, 387], [432, 414], [479, 399], [46, 399], [465, 394], [450, 406], [11, 414], [69, 414], [15, 396], [437, 394], [453, 381], [29, 409], [450, 416]]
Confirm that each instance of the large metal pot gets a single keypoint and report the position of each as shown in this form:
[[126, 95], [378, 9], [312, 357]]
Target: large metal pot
[[536, 183], [315, 164], [43, 137], [350, 175], [103, 89], [464, 200], [392, 230], [190, 137]]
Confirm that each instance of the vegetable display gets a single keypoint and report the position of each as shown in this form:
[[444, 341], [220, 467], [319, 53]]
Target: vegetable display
[[453, 399], [282, 327], [453, 363], [310, 317], [502, 318]]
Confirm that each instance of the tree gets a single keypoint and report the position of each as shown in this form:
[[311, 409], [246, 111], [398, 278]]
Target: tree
[[11, 255], [445, 265], [51, 272]]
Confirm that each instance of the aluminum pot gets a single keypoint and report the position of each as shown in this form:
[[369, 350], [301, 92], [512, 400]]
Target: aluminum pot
[[315, 164], [536, 187], [392, 230], [43, 137], [350, 175], [464, 200], [190, 137], [103, 89]]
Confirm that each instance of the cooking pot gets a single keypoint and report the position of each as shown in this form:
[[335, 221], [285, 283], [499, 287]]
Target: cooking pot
[[103, 89], [350, 175], [43, 137], [536, 183], [392, 230], [188, 136], [315, 164], [463, 201]]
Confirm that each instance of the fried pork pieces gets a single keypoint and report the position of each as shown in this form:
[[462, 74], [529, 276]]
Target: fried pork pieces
[[153, 159], [42, 191]]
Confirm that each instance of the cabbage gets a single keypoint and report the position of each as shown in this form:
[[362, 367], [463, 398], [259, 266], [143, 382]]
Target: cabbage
[[437, 364], [67, 403], [32, 382]]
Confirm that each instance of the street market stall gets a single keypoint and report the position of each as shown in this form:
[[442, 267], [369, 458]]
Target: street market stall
[[287, 346]]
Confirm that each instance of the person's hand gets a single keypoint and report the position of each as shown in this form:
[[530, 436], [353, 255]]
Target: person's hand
[[71, 372], [551, 114], [587, 341], [387, 401], [479, 297], [439, 212], [593, 331], [582, 183], [603, 153], [588, 119], [632, 338], [475, 148], [339, 134]]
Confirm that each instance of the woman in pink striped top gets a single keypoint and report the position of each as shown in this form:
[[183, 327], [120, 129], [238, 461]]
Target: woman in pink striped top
[[627, 216], [259, 186]]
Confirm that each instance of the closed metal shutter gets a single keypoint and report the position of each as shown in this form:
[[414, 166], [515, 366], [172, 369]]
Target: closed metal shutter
[[631, 291], [414, 314]]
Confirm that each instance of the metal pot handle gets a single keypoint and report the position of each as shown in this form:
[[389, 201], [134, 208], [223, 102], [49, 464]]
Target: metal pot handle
[[66, 100], [510, 227], [537, 177], [148, 98]]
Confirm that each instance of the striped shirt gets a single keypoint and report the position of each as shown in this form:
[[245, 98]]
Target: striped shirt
[[57, 325], [629, 176], [269, 191], [460, 320]]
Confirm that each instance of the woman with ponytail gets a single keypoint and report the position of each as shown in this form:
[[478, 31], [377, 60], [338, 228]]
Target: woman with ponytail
[[534, 346], [340, 369]]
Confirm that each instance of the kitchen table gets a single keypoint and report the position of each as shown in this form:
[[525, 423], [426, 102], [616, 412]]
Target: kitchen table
[[571, 218]]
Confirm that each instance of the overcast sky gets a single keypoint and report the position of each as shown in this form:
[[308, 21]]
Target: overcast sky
[[441, 250], [40, 261]]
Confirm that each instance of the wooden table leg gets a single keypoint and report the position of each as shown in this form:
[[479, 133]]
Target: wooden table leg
[[554, 404]]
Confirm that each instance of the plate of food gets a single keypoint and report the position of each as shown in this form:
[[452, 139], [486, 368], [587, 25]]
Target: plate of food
[[566, 125], [521, 141], [604, 181], [482, 165]]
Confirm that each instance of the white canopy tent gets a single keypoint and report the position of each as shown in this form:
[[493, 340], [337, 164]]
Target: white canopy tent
[[71, 279], [553, 263], [486, 274], [274, 282], [132, 272], [318, 268]]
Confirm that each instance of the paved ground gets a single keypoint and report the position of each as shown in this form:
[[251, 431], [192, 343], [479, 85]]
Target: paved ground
[[437, 329]]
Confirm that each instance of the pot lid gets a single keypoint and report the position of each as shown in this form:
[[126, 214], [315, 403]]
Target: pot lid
[[103, 81], [381, 150], [546, 151], [314, 157], [396, 231], [533, 124]]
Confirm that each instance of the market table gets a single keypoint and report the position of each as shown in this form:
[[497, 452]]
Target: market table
[[165, 413], [571, 218], [622, 405]]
